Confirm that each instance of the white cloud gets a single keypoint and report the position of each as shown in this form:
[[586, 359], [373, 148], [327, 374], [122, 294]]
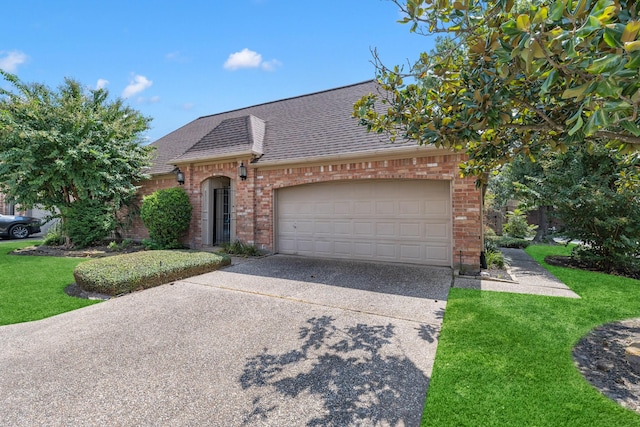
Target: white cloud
[[101, 84], [154, 99], [9, 61], [176, 56], [271, 65], [136, 85], [244, 59], [249, 59]]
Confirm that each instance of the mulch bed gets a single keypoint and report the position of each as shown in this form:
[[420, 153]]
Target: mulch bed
[[600, 357], [570, 262], [90, 252]]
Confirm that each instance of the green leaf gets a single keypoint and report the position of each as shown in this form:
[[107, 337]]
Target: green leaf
[[549, 82], [575, 92], [557, 10], [612, 37], [591, 24], [630, 127], [608, 88], [606, 64], [541, 15], [634, 61], [577, 126]]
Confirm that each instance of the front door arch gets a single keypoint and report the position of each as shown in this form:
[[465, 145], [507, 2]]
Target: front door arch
[[218, 211]]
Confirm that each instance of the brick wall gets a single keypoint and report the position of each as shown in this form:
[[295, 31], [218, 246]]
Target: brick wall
[[254, 197]]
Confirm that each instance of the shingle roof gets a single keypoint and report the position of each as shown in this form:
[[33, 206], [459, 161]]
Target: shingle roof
[[243, 134], [304, 127]]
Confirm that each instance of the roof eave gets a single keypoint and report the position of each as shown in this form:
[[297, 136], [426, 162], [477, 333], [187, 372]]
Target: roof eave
[[216, 158], [357, 155]]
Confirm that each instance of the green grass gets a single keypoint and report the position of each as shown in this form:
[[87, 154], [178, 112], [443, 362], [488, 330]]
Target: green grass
[[505, 359], [32, 287]]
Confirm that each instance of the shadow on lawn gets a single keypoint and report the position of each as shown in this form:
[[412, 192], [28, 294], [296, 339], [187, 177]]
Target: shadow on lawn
[[347, 369]]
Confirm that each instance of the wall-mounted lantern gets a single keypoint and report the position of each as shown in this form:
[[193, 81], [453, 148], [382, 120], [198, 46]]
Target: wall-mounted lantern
[[179, 175], [242, 171]]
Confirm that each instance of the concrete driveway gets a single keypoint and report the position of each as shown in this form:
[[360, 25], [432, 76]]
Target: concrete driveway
[[276, 341]]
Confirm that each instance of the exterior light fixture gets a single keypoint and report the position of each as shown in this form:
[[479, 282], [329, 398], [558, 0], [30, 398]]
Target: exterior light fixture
[[242, 171], [179, 175]]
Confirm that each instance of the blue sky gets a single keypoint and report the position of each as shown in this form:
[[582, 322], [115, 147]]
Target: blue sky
[[178, 60]]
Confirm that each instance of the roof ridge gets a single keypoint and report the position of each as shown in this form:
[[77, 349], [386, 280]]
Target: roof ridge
[[288, 99]]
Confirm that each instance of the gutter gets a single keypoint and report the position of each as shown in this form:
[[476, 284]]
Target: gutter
[[227, 156]]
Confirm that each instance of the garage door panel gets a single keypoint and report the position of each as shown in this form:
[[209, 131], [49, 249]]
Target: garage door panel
[[409, 230], [409, 207], [436, 208], [342, 227], [342, 208], [439, 253], [388, 220], [342, 248], [386, 229], [385, 207], [437, 232], [362, 228], [363, 249], [323, 227], [362, 208]]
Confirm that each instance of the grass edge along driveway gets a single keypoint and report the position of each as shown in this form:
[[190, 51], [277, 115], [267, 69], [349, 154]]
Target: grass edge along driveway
[[505, 359], [32, 287]]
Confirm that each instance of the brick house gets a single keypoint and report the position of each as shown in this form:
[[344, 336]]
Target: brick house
[[317, 184]]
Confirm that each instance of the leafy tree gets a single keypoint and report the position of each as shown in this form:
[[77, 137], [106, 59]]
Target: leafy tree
[[61, 148], [584, 187], [595, 209], [513, 77], [525, 181]]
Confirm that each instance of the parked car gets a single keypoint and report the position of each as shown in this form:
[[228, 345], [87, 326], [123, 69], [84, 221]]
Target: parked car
[[18, 227]]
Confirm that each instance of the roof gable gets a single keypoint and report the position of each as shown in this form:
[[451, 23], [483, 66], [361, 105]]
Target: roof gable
[[232, 136]]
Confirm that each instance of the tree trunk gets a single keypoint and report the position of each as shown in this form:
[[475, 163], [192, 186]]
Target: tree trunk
[[542, 233]]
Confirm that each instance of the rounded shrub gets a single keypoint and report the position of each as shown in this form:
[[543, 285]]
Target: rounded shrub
[[167, 215]]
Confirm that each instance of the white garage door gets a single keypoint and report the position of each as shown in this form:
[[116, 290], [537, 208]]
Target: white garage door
[[387, 220]]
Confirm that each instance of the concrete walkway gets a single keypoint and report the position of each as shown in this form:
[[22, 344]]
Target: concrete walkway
[[276, 341], [529, 277]]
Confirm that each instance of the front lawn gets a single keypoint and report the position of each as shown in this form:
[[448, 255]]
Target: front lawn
[[505, 359], [32, 287]]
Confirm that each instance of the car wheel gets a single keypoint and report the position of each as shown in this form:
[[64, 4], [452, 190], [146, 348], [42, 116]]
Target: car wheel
[[19, 231]]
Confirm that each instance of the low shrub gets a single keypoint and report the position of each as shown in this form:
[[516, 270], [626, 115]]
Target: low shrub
[[239, 248], [517, 225], [54, 236], [120, 246], [511, 242], [126, 273], [495, 259]]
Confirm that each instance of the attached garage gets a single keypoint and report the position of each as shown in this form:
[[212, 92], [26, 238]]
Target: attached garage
[[385, 220]]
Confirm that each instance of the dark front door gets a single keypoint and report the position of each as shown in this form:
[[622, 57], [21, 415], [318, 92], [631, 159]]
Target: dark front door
[[221, 216]]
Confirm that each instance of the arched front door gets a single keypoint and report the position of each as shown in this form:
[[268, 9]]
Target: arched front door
[[218, 222]]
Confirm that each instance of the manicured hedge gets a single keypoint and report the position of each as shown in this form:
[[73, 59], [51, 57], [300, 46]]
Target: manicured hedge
[[506, 242], [125, 273]]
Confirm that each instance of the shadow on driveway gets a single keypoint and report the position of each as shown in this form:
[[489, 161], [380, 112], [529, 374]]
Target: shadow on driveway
[[231, 348]]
